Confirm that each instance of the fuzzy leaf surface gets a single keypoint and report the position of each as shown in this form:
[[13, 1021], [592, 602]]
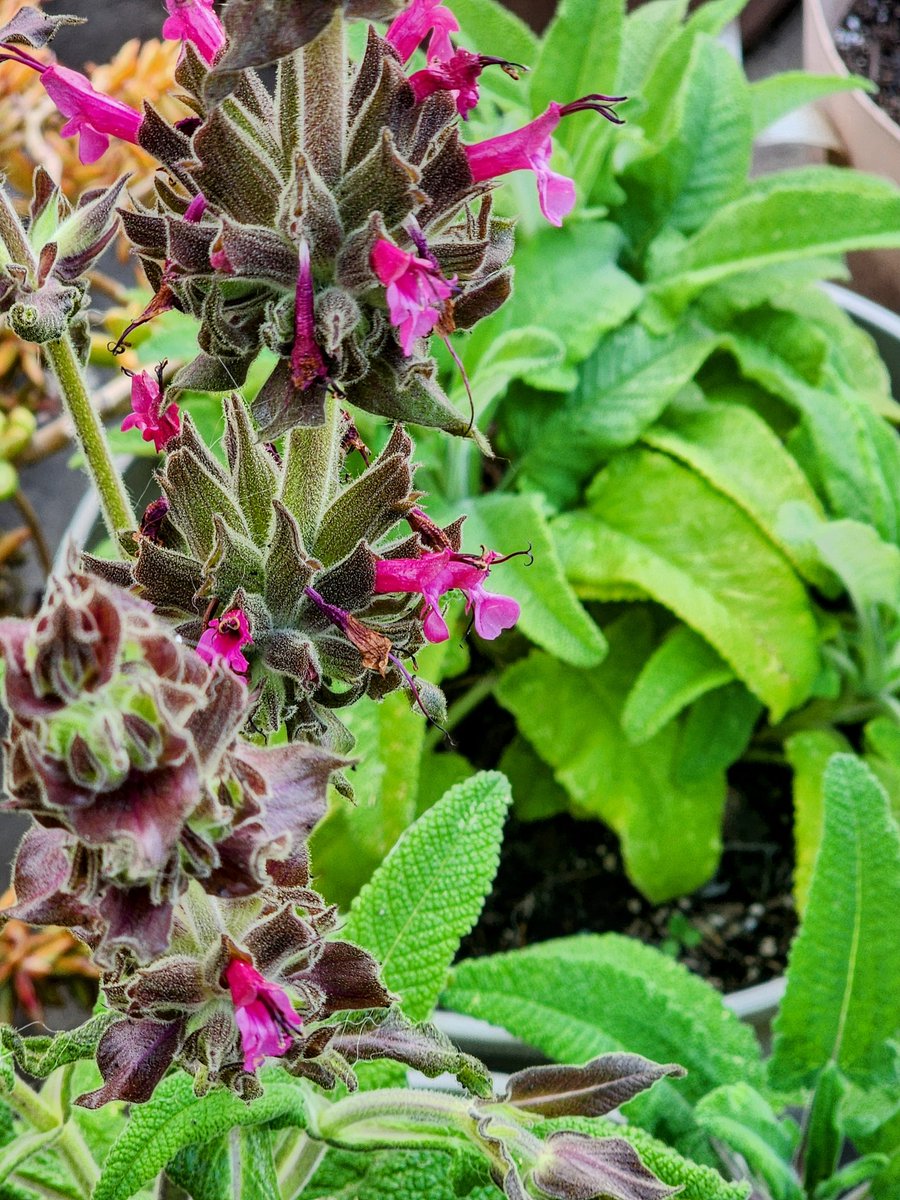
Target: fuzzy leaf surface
[[778, 95], [809, 753], [682, 668], [428, 892], [842, 1003]]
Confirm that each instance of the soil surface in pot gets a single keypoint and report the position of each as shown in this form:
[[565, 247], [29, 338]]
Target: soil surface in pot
[[869, 43], [562, 876]]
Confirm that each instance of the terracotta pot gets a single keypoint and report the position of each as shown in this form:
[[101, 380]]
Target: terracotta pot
[[871, 140]]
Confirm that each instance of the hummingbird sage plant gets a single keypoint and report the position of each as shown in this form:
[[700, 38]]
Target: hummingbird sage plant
[[174, 713]]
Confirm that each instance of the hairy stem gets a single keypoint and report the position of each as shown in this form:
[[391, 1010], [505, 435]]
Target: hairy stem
[[312, 472], [396, 1117], [69, 1145], [114, 503], [297, 1163], [325, 99]]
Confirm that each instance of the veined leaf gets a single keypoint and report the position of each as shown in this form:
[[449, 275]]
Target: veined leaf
[[579, 54], [670, 834], [552, 615], [733, 448], [716, 731], [574, 998], [682, 668], [513, 354], [842, 1003], [867, 566], [625, 385], [741, 1118], [176, 1118], [646, 32], [428, 892], [778, 95], [794, 214], [236, 1166], [657, 525]]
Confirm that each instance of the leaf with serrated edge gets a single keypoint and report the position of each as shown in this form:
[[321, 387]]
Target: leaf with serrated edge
[[427, 894], [842, 1002]]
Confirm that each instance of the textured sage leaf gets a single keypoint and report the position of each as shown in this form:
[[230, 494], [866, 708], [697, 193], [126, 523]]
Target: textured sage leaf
[[715, 732], [867, 566], [792, 214], [624, 387], [579, 54], [237, 1166], [842, 1003], [574, 998], [778, 95], [657, 525], [740, 1118], [670, 835], [427, 894], [809, 753], [552, 615], [513, 354], [176, 1118], [740, 455], [400, 1175], [646, 31], [680, 669], [881, 738], [43, 1054]]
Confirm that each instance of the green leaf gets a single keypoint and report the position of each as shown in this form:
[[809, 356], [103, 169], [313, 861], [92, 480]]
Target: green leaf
[[654, 524], [236, 1166], [427, 894], [398, 1175], [552, 615], [491, 28], [625, 385], [670, 834], [512, 355], [176, 1118], [42, 1055], [9, 480], [737, 452], [844, 970], [881, 738], [868, 567], [646, 31], [438, 773], [715, 733], [794, 214], [809, 753], [389, 740], [579, 55], [738, 1116], [682, 667], [574, 998], [776, 96], [13, 1155], [536, 794]]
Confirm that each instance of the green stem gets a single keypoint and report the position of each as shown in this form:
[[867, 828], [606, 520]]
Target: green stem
[[325, 100], [396, 1117], [460, 709], [312, 472], [114, 503], [69, 1145], [297, 1164]]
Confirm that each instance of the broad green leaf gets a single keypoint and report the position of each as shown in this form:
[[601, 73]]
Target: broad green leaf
[[794, 214], [733, 448], [715, 732], [427, 894], [389, 744], [512, 355], [714, 16], [536, 794], [625, 385], [579, 55], [868, 567], [740, 1118], [703, 148], [670, 835], [176, 1118], [841, 1003], [399, 1175], [574, 998], [881, 737], [682, 667], [657, 525], [552, 615], [776, 96], [236, 1166], [646, 31]]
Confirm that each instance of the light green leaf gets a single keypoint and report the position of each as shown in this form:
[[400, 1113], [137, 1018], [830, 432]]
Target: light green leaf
[[793, 214], [881, 737], [389, 744], [657, 525], [841, 1003], [237, 1166], [776, 96], [738, 1116], [579, 55], [427, 894], [646, 31], [715, 732], [512, 355], [574, 998], [9, 480], [491, 28], [868, 567], [13, 1155], [536, 794], [733, 448], [176, 1118], [670, 835], [625, 385], [438, 773], [682, 667], [552, 615]]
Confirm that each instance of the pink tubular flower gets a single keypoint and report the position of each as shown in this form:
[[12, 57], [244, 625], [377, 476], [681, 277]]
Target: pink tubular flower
[[530, 148], [195, 21], [158, 422], [434, 574], [413, 25], [195, 210], [94, 116], [225, 639], [263, 1013], [307, 363], [416, 290], [459, 75]]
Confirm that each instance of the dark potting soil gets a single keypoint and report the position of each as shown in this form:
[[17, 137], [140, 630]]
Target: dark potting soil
[[869, 43], [564, 876]]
